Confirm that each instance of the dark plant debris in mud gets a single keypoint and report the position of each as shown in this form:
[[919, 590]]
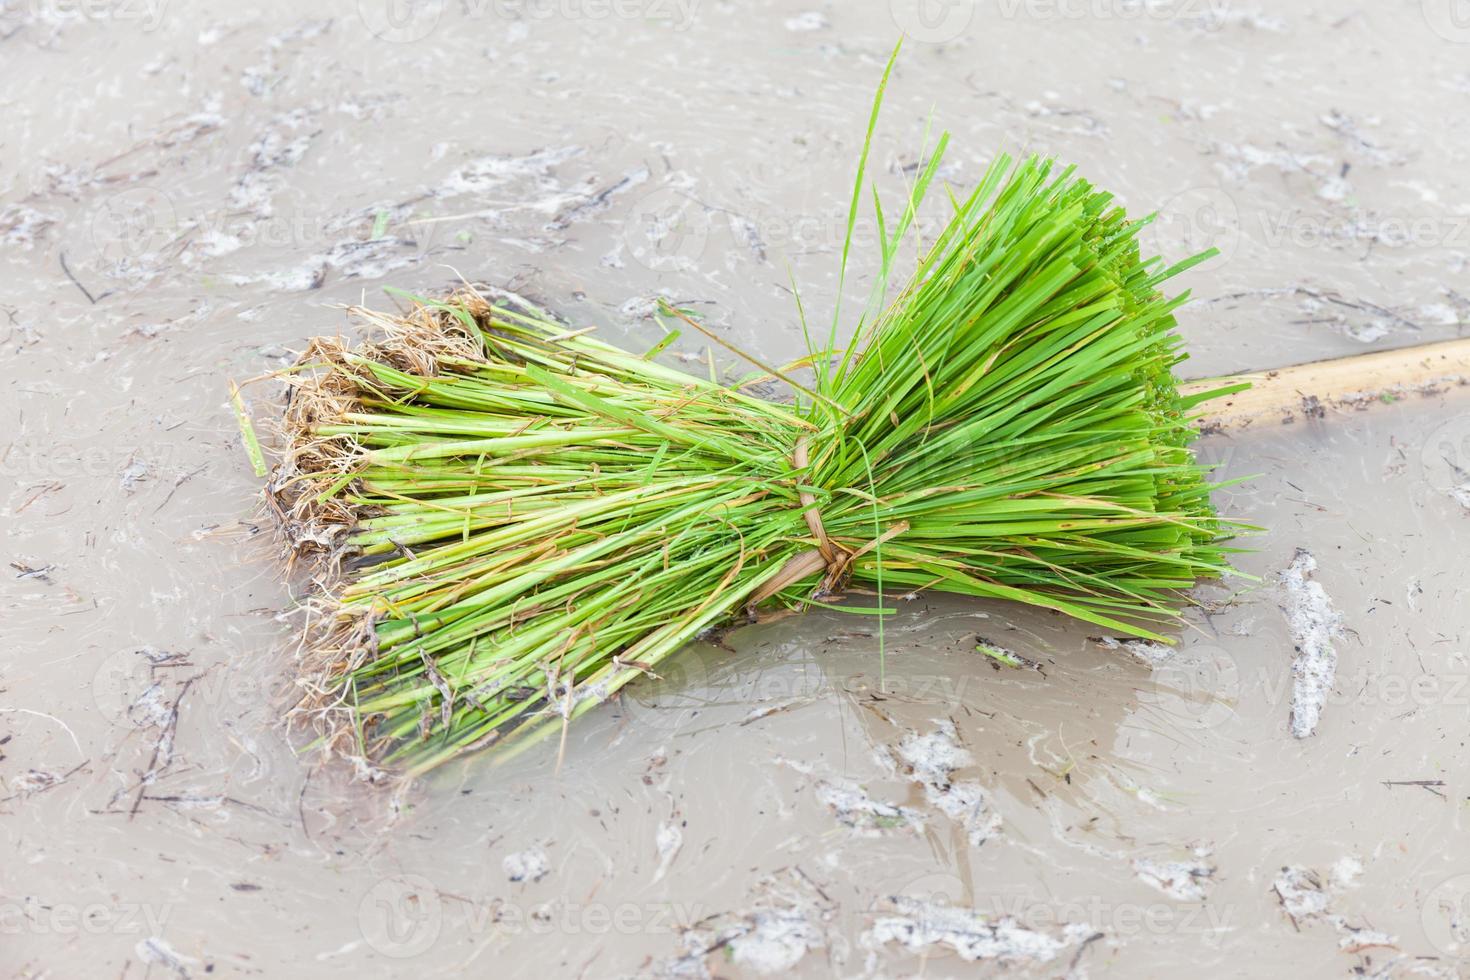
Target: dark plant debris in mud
[[999, 656], [1428, 785]]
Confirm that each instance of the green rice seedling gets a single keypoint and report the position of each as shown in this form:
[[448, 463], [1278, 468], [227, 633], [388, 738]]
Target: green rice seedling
[[516, 520]]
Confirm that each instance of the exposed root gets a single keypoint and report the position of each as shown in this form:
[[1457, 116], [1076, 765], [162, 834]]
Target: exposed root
[[321, 390], [327, 384], [314, 517]]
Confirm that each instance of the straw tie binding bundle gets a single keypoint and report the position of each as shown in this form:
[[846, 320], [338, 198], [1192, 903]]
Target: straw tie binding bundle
[[828, 556], [516, 520]]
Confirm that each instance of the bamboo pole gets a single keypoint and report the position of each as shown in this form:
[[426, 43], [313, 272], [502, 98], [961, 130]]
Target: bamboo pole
[[1346, 384]]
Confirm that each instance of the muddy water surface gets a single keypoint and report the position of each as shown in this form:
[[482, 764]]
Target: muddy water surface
[[188, 192]]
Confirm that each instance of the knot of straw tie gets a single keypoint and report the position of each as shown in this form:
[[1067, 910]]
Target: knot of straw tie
[[828, 554]]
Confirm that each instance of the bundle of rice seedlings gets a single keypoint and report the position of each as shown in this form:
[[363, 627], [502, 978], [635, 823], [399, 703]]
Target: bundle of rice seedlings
[[518, 520]]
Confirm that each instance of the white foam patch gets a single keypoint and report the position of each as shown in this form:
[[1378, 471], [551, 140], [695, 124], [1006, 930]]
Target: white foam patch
[[1314, 624], [1301, 892], [491, 173], [528, 865], [155, 949], [777, 940], [853, 807], [22, 226], [669, 840], [1306, 899], [1216, 15], [1183, 881], [920, 925], [786, 919], [1357, 940], [809, 20], [932, 760], [1346, 871], [1147, 651]]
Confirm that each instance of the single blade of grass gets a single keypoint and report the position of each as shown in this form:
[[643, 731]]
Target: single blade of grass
[[247, 432]]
